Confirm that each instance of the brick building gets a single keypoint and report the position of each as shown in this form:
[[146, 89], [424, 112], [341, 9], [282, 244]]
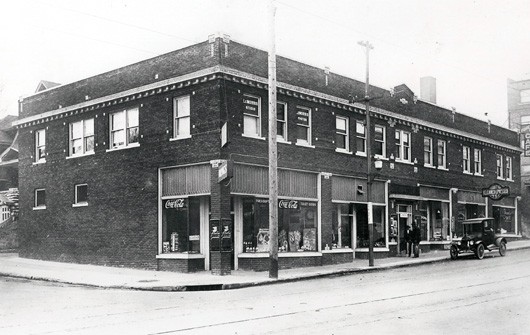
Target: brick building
[[163, 165]]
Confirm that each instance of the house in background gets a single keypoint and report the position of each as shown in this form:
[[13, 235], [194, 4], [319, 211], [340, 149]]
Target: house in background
[[8, 183]]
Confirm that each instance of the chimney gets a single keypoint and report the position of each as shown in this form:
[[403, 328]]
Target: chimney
[[428, 89]]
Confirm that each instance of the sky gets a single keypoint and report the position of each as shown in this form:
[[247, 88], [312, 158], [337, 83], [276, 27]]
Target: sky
[[470, 47]]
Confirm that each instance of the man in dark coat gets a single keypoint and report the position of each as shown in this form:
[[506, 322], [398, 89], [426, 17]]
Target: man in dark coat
[[408, 240], [416, 238]]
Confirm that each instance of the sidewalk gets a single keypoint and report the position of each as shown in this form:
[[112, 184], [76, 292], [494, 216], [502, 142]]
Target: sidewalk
[[123, 278]]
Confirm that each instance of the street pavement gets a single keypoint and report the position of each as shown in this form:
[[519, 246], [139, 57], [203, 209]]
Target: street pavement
[[124, 278]]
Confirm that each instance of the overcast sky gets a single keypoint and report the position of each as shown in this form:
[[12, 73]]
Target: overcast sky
[[471, 47]]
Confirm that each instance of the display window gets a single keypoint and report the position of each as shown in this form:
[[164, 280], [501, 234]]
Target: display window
[[297, 225], [181, 225], [504, 219], [342, 226], [439, 221], [361, 216]]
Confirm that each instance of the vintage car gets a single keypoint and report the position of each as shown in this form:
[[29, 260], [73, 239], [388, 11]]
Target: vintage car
[[479, 235]]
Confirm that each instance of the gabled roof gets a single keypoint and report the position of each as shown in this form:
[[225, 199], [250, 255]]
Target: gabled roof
[[45, 84]]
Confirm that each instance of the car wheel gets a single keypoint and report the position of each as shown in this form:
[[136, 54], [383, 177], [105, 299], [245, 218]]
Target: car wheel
[[453, 252], [479, 252], [502, 249]]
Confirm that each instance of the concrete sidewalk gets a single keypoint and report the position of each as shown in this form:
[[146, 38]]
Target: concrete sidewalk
[[123, 278]]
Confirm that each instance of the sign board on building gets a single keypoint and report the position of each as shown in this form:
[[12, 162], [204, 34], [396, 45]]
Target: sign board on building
[[225, 170], [251, 105], [302, 117], [496, 191], [175, 204], [526, 142]]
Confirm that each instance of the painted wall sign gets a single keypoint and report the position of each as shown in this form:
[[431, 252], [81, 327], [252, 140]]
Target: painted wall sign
[[496, 191], [526, 137], [302, 117], [251, 105], [175, 204]]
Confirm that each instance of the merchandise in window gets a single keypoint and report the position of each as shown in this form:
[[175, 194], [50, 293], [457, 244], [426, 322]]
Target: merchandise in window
[[252, 116], [281, 118], [504, 219], [303, 125], [40, 145], [181, 117], [82, 137], [297, 226], [181, 225], [439, 221], [124, 128], [341, 136]]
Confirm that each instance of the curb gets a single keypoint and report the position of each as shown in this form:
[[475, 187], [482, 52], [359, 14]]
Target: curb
[[233, 286]]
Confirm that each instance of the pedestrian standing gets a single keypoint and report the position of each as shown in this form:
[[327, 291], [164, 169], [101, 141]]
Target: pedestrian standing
[[408, 240], [416, 238]]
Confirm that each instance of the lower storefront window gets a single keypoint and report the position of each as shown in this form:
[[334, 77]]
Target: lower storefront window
[[181, 225], [439, 221], [504, 219], [362, 226], [297, 225], [342, 226], [467, 211]]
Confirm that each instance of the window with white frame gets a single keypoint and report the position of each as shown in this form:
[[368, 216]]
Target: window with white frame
[[442, 154], [81, 194], [508, 166], [341, 133], [82, 137], [303, 125], [427, 151], [402, 145], [181, 117], [360, 137], [281, 121], [525, 96], [466, 159], [380, 141], [500, 167], [5, 213], [124, 128], [252, 116], [40, 198], [477, 161], [40, 146]]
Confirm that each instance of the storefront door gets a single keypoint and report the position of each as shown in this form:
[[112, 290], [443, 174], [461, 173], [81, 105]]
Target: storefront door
[[404, 213]]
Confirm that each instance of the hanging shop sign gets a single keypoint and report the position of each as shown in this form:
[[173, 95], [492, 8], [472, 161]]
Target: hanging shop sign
[[175, 204], [225, 170], [526, 136], [302, 117], [251, 105], [496, 191]]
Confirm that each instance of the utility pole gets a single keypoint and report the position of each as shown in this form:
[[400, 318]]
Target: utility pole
[[368, 47], [273, 152]]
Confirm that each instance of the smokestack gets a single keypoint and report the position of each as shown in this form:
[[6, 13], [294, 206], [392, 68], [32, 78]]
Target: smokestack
[[428, 89]]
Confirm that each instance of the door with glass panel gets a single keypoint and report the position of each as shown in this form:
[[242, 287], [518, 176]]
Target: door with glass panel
[[404, 213]]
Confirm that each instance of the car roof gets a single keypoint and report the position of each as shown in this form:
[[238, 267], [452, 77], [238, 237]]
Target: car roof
[[475, 220]]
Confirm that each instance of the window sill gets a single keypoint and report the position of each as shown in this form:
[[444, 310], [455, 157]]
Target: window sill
[[81, 204], [376, 249], [383, 158], [338, 251], [360, 153], [265, 254], [467, 172], [180, 255], [179, 138], [83, 155], [134, 145], [429, 166], [499, 178], [256, 137], [39, 162], [283, 141], [442, 168], [39, 208], [305, 145], [510, 180], [404, 162], [478, 174], [343, 151]]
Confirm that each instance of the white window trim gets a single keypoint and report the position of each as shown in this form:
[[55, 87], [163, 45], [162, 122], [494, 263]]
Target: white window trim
[[466, 169], [401, 147], [258, 135], [134, 145], [343, 151], [176, 137], [475, 162], [36, 150], [431, 164], [357, 151], [501, 177], [384, 141], [304, 143], [283, 139], [510, 176], [346, 135], [39, 207], [444, 166], [84, 151], [127, 144], [76, 203]]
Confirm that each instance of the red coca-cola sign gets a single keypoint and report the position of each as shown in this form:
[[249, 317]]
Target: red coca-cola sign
[[288, 204], [175, 203]]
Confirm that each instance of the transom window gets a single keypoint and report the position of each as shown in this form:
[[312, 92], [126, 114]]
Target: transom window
[[40, 198], [360, 136], [442, 154], [402, 145], [303, 125], [124, 128], [281, 121], [82, 137], [181, 117], [40, 146], [252, 116], [466, 159], [341, 133], [380, 141], [81, 194], [500, 167], [427, 151], [478, 161]]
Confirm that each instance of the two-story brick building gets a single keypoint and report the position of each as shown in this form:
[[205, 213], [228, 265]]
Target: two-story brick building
[[163, 165]]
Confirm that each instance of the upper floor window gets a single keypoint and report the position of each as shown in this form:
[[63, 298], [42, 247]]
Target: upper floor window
[[40, 198], [124, 128], [281, 121], [342, 135], [466, 159], [427, 151], [478, 161], [252, 116], [81, 195], [500, 167], [509, 172], [181, 117], [442, 154], [525, 96], [360, 134], [380, 141], [303, 125], [82, 137], [40, 146], [403, 145]]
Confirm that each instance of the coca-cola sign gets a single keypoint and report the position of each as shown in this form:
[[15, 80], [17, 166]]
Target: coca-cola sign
[[175, 203], [288, 204]]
